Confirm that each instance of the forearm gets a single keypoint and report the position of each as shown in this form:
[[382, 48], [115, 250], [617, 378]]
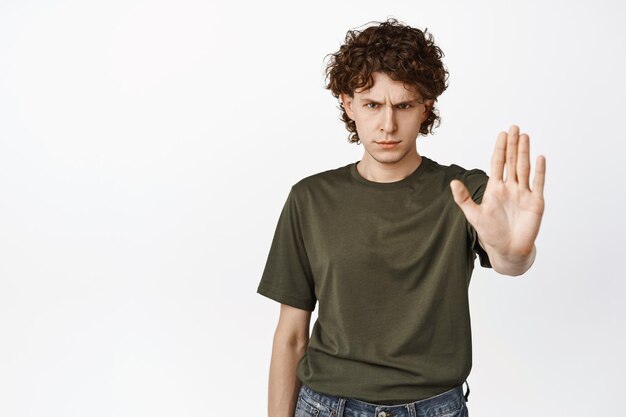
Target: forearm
[[283, 383]]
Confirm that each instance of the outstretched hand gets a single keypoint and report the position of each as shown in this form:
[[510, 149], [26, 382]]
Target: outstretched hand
[[507, 220]]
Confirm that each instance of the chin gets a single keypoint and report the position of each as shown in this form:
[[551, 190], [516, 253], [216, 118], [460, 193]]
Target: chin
[[389, 158]]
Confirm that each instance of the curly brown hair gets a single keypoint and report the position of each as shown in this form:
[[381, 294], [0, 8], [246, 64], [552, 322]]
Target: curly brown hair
[[403, 53]]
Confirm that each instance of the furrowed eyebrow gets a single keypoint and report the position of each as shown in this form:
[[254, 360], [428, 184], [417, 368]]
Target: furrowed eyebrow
[[396, 104]]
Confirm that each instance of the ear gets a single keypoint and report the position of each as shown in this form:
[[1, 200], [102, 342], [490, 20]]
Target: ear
[[347, 104], [428, 105]]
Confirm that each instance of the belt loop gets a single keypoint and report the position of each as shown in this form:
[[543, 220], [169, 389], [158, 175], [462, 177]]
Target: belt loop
[[468, 391], [340, 406]]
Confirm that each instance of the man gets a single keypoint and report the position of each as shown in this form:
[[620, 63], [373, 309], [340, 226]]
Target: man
[[387, 245]]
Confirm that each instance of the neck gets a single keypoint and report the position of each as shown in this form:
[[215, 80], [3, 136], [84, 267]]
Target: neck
[[376, 171]]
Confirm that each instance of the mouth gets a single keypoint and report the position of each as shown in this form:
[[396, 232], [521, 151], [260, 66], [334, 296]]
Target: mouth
[[387, 144]]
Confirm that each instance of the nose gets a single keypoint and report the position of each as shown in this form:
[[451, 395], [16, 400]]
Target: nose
[[388, 123]]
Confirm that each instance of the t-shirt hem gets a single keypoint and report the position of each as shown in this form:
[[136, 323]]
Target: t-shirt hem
[[285, 299]]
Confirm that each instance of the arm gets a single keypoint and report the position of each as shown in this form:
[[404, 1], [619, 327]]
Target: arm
[[289, 345]]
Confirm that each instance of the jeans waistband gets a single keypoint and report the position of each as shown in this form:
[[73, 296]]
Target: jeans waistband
[[333, 406]]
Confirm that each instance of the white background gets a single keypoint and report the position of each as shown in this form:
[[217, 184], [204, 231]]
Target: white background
[[147, 147]]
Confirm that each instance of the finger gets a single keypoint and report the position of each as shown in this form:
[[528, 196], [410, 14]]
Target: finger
[[511, 154], [523, 161], [464, 200], [540, 176], [497, 159]]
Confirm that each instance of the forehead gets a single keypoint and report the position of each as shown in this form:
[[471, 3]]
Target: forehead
[[384, 86]]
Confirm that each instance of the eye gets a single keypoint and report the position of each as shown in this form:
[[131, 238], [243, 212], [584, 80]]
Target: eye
[[374, 104], [404, 104]]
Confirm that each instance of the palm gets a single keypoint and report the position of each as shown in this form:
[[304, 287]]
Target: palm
[[510, 213]]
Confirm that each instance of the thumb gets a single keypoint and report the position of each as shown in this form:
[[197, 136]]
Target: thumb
[[464, 200]]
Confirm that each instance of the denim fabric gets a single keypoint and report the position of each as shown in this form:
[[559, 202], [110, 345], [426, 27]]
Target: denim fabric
[[451, 403]]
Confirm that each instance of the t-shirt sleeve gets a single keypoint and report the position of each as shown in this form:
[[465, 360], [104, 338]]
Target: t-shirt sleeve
[[287, 276], [476, 183]]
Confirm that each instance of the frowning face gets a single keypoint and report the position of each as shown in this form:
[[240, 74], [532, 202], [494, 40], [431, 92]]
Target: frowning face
[[388, 117]]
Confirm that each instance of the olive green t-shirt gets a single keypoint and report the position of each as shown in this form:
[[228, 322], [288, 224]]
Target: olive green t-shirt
[[390, 266]]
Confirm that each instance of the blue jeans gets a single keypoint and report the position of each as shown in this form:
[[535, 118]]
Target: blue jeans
[[316, 404]]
